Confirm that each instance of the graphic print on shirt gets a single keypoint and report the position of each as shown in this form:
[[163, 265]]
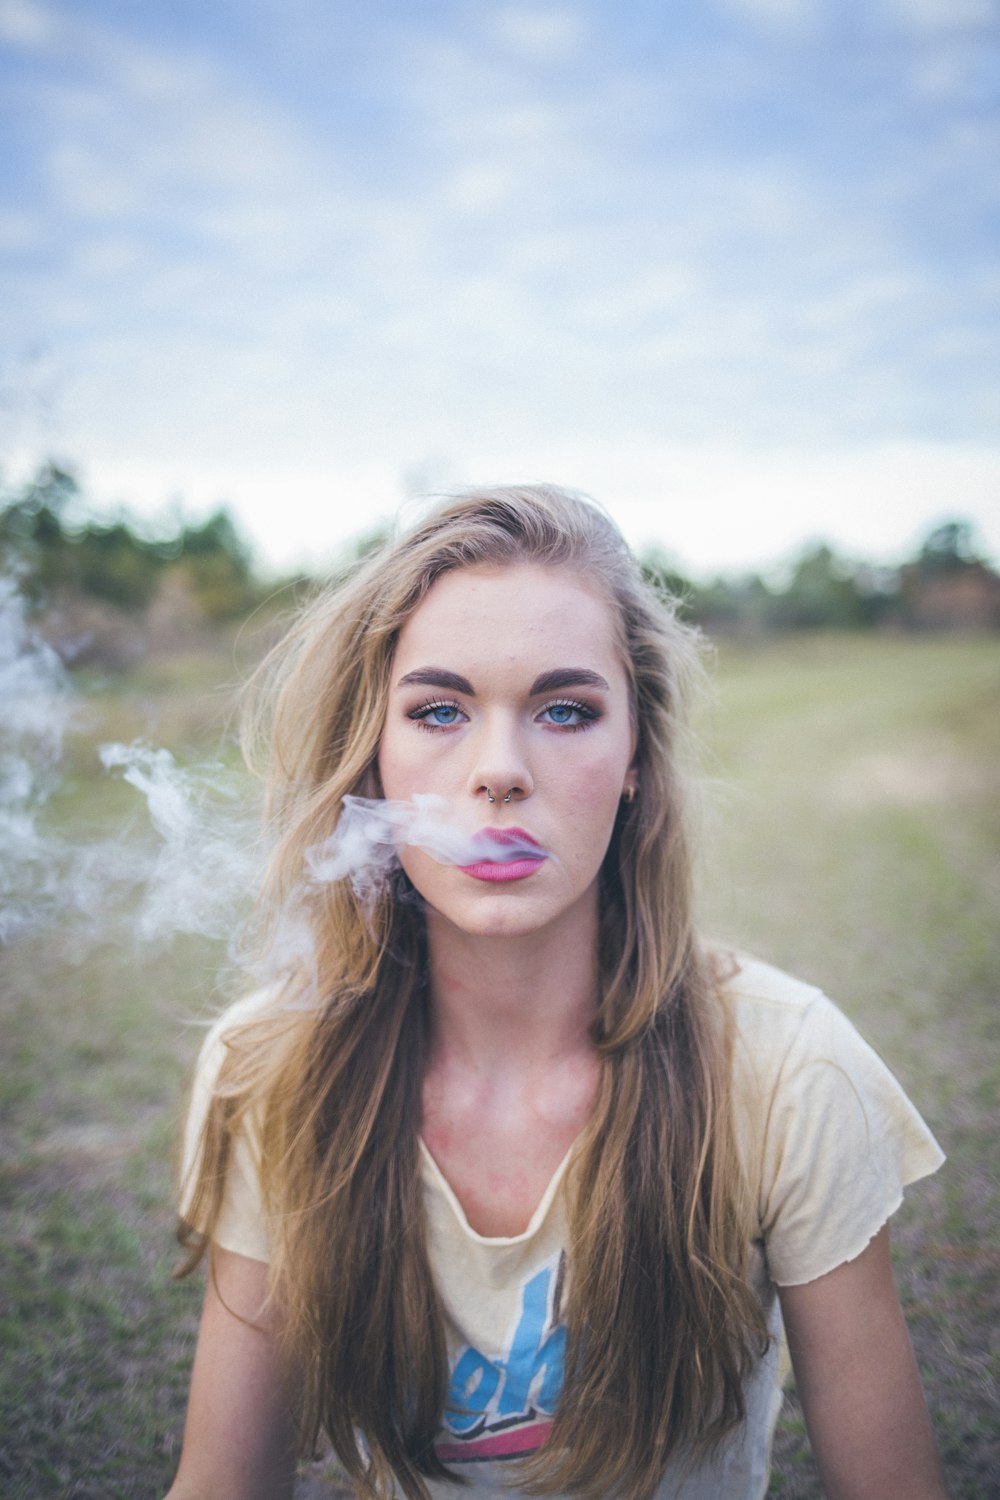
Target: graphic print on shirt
[[501, 1407]]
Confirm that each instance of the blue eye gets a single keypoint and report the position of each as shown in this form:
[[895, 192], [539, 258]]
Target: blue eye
[[568, 715], [436, 715]]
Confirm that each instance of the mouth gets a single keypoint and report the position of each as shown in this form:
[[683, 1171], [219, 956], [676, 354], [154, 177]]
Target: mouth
[[510, 838], [518, 855], [512, 869]]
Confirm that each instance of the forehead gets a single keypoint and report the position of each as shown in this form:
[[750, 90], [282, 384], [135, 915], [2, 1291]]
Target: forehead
[[524, 611]]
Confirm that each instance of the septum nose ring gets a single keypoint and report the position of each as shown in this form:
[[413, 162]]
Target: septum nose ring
[[490, 797]]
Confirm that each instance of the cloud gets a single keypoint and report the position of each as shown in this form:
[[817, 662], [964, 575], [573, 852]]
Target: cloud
[[934, 17], [726, 507], [548, 245], [794, 16], [139, 130], [480, 189], [537, 34], [20, 232], [717, 508], [27, 24]]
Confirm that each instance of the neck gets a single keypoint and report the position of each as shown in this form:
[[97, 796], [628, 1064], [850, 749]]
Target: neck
[[508, 1004]]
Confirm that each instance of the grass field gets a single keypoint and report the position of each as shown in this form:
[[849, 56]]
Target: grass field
[[854, 829]]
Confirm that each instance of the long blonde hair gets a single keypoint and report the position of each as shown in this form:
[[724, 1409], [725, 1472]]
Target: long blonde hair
[[663, 1327]]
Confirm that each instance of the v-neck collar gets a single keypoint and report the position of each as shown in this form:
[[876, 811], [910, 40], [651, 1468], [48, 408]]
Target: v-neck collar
[[434, 1172]]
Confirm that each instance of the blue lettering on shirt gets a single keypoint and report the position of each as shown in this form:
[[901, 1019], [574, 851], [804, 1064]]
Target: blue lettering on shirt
[[523, 1382]]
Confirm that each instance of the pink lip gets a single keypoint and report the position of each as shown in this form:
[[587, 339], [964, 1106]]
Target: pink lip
[[508, 836], [518, 868], [514, 869]]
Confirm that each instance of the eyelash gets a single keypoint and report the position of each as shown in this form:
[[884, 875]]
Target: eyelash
[[586, 712], [423, 712], [421, 715]]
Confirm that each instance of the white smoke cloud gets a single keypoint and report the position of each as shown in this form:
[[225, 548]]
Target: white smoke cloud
[[205, 861], [370, 833], [35, 711], [195, 863]]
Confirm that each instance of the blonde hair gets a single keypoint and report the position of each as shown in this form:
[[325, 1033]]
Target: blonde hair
[[663, 1327]]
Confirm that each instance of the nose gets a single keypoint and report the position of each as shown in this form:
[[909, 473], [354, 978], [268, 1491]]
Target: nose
[[500, 772]]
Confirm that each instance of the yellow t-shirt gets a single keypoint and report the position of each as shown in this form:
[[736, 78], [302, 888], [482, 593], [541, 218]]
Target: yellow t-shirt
[[828, 1140]]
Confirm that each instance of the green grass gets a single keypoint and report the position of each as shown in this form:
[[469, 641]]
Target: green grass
[[854, 833], [856, 841]]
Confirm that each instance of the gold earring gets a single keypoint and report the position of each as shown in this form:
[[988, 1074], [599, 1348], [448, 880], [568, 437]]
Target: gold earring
[[630, 793]]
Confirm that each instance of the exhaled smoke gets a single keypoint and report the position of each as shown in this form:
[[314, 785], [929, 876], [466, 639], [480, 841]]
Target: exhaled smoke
[[197, 865], [193, 869], [35, 711], [370, 833], [205, 862]]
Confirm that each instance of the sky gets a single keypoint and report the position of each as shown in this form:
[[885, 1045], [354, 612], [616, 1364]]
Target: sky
[[730, 266]]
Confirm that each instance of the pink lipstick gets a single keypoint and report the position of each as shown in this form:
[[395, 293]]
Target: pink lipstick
[[518, 855], [510, 838]]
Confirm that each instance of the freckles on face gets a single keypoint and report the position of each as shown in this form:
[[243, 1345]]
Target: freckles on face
[[510, 681]]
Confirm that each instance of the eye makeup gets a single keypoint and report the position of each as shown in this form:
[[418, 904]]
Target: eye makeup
[[585, 713], [566, 714], [423, 714]]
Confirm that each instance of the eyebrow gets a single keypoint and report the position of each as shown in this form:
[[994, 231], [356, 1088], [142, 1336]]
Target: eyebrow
[[548, 682], [439, 678], [566, 677]]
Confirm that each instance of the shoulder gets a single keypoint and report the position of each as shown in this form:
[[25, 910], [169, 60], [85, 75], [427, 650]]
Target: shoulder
[[753, 989], [770, 1013], [826, 1133], [786, 1033], [240, 1019], [777, 1024], [241, 1222], [257, 1006], [215, 1046], [787, 1036]]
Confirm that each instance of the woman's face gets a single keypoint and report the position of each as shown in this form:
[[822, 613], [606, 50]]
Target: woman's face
[[508, 681]]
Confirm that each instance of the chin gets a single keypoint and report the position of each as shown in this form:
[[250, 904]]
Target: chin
[[491, 920], [513, 915]]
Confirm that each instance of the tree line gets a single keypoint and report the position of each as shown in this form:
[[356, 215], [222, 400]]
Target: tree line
[[45, 534], [202, 576], [947, 585]]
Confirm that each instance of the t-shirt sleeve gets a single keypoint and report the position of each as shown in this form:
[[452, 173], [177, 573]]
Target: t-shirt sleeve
[[242, 1222], [841, 1142]]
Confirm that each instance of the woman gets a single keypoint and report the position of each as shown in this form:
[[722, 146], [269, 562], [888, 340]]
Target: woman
[[513, 1181]]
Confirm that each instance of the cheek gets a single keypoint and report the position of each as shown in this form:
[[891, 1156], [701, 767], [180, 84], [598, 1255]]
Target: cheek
[[589, 797], [395, 769], [412, 760], [600, 775], [419, 868]]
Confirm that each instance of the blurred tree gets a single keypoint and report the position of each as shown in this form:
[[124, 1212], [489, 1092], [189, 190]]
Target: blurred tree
[[948, 547], [204, 572], [217, 561], [878, 587], [112, 563], [821, 594], [949, 585], [44, 533], [53, 488], [33, 538]]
